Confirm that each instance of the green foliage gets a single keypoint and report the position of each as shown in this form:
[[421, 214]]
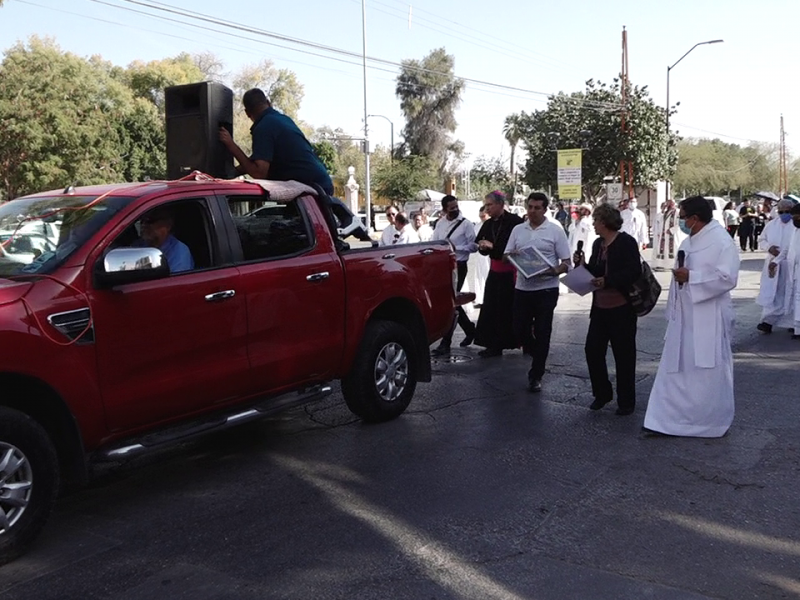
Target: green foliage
[[281, 86], [713, 167], [326, 153], [598, 110], [401, 180], [67, 120], [512, 131], [429, 94], [148, 80], [489, 174]]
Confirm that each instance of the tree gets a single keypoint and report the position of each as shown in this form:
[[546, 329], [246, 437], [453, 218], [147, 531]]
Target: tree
[[281, 86], [489, 174], [512, 131], [429, 94], [210, 65], [326, 153], [402, 180], [68, 120], [714, 167], [148, 80], [592, 118]]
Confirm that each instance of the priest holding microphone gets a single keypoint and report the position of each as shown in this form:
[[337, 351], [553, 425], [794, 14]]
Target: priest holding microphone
[[693, 391]]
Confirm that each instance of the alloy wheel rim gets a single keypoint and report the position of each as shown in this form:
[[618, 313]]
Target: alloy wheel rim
[[16, 485], [391, 371]]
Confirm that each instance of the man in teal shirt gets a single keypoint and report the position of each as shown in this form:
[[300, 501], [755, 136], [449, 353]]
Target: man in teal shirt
[[280, 150]]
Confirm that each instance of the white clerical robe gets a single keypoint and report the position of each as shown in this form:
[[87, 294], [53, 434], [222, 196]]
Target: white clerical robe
[[693, 391], [667, 238], [772, 296], [634, 223], [583, 231], [478, 271], [789, 260]]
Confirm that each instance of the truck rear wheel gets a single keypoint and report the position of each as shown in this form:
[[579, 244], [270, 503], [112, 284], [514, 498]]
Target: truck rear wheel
[[28, 481], [383, 378]]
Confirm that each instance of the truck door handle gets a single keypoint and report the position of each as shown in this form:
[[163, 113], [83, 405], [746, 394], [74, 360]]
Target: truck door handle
[[318, 276], [219, 296], [427, 251], [387, 256]]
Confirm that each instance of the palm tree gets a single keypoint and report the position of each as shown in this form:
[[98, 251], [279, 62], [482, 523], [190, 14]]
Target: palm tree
[[512, 131]]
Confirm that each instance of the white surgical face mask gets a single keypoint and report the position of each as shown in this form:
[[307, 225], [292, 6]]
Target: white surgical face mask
[[633, 204]]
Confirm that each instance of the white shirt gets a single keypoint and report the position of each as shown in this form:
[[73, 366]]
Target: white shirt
[[550, 240], [634, 223], [425, 233], [406, 235], [462, 238], [387, 237]]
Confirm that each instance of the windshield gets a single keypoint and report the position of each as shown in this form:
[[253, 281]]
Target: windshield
[[39, 234]]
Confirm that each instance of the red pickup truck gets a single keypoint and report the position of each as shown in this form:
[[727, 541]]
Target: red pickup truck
[[107, 352]]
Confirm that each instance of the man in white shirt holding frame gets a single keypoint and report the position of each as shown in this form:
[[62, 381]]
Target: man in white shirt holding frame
[[535, 298]]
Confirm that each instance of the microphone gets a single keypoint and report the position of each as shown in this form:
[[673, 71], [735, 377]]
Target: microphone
[[580, 246], [681, 260]]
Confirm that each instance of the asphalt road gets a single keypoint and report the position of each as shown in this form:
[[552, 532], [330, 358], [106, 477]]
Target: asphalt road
[[481, 490]]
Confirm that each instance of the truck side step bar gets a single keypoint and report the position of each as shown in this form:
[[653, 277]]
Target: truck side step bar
[[135, 446]]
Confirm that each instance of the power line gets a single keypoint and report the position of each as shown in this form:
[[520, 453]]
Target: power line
[[221, 22]]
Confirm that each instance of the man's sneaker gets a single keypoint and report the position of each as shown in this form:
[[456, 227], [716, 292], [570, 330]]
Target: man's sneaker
[[765, 327], [535, 386]]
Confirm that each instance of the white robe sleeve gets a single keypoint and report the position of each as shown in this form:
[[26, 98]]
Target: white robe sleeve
[[713, 280]]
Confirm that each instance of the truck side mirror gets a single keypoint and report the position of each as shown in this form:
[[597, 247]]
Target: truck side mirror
[[131, 265]]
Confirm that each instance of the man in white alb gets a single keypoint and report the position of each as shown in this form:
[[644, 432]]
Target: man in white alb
[[693, 391], [772, 298], [634, 222], [789, 261]]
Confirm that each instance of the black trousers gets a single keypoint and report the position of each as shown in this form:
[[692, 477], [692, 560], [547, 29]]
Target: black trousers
[[747, 235], [460, 317], [533, 326], [617, 326]]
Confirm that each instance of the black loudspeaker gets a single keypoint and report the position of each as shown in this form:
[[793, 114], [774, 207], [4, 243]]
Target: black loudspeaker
[[195, 112]]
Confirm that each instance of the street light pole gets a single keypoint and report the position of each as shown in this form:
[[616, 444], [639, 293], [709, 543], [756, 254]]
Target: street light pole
[[367, 197], [391, 150], [668, 72]]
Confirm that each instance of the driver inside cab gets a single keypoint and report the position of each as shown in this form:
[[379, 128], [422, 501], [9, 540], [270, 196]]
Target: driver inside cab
[[156, 232]]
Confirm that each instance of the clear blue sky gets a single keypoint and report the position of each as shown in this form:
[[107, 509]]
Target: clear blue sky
[[736, 90]]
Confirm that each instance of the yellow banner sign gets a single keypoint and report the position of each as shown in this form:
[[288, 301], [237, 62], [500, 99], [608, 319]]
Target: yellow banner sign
[[569, 174]]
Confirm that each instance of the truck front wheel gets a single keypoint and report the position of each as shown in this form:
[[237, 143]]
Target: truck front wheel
[[383, 378], [28, 481]]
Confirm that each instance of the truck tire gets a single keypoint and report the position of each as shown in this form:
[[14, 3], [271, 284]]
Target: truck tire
[[28, 481], [384, 374]]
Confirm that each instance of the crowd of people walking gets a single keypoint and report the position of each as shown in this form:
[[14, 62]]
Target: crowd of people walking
[[692, 394]]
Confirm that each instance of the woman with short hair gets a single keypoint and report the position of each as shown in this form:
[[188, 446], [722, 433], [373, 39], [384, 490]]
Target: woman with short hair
[[616, 265]]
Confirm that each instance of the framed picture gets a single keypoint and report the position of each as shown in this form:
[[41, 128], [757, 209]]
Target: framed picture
[[530, 262]]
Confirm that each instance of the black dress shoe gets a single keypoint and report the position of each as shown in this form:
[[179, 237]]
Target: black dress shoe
[[795, 336], [598, 404], [467, 341], [490, 352], [621, 412], [535, 386], [441, 350], [765, 327]]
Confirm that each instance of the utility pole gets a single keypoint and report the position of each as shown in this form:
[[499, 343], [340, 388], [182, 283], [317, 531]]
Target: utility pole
[[625, 165], [367, 198]]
